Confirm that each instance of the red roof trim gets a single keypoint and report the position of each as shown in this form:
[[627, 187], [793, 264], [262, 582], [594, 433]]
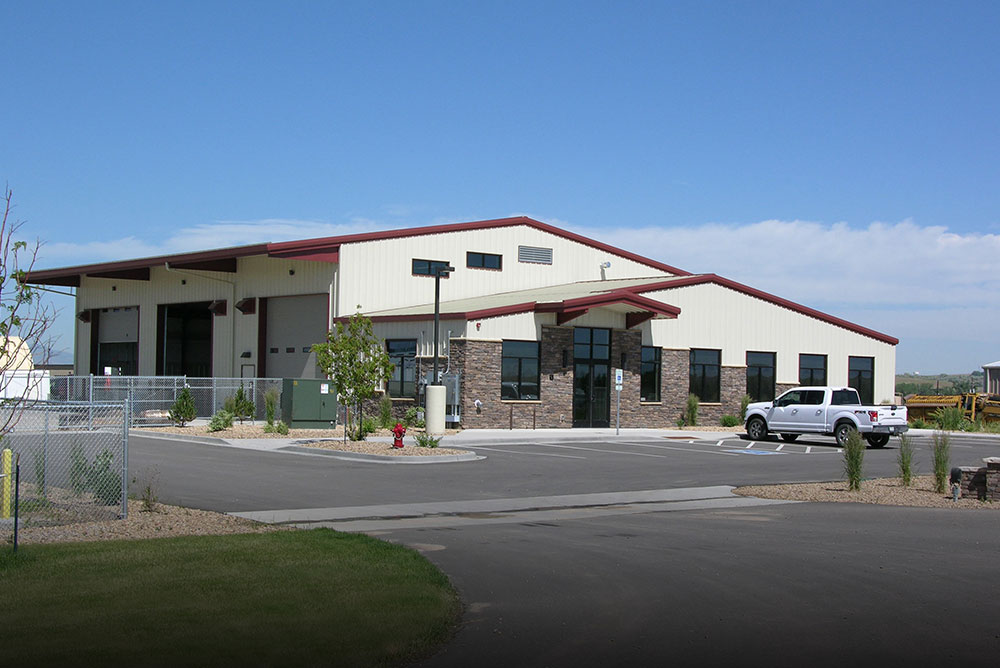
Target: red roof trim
[[58, 276], [326, 249], [326, 242], [753, 292]]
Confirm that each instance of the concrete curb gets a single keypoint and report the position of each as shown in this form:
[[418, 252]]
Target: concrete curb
[[206, 440], [469, 456]]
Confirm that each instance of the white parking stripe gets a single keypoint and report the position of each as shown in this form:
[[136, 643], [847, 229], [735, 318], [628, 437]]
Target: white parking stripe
[[635, 454], [778, 449], [749, 446], [525, 452], [808, 449]]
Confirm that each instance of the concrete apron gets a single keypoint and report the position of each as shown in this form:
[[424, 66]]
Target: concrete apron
[[379, 518]]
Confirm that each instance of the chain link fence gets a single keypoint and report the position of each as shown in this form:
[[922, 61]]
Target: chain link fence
[[152, 396], [73, 465]]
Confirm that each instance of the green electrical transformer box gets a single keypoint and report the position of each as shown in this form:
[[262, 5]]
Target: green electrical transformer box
[[308, 403]]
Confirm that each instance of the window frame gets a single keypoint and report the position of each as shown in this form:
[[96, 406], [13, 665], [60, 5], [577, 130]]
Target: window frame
[[700, 383], [773, 367], [469, 255], [866, 394], [520, 380], [812, 370], [654, 367], [397, 392], [430, 267]]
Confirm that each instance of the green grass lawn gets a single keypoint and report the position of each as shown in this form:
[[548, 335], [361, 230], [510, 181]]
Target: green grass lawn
[[298, 598]]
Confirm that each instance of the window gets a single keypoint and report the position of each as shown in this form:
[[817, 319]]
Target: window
[[705, 372], [428, 267], [812, 369], [403, 355], [519, 370], [483, 260], [534, 255], [760, 376], [591, 344], [649, 374], [861, 376], [800, 398], [844, 398]]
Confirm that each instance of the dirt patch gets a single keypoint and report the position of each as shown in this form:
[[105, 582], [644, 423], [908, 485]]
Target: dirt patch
[[164, 521], [885, 491]]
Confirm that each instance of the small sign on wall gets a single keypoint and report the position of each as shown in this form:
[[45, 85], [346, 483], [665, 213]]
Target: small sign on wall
[[324, 388]]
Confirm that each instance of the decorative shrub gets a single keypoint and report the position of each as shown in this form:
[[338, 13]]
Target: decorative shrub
[[271, 398], [425, 440], [221, 420], [691, 411], [183, 410], [243, 406], [385, 412], [941, 452], [744, 402], [410, 417], [904, 458], [951, 418], [730, 421], [854, 459]]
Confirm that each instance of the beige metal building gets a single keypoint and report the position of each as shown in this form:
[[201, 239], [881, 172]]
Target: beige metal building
[[535, 321]]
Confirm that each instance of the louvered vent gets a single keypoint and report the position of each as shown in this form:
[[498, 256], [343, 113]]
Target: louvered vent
[[534, 254]]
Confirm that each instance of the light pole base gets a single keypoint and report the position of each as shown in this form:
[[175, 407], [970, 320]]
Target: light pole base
[[434, 412]]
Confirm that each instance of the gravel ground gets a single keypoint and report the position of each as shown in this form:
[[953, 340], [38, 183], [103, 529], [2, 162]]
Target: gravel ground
[[885, 491], [162, 522], [326, 439]]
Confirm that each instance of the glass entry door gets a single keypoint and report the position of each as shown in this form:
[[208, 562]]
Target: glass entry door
[[591, 377]]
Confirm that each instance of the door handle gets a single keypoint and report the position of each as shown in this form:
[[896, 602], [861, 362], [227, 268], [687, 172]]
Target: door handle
[[794, 411], [819, 412]]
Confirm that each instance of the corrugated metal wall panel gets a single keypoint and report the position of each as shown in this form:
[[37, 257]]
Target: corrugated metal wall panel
[[423, 332], [232, 333], [377, 274], [713, 316]]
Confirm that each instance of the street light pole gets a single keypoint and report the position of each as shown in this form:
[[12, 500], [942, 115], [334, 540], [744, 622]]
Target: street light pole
[[438, 271], [434, 393]]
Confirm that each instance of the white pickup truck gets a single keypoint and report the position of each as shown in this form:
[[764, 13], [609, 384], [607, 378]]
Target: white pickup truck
[[832, 411]]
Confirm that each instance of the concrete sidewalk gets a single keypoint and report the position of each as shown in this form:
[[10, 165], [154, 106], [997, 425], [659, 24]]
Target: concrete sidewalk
[[469, 438]]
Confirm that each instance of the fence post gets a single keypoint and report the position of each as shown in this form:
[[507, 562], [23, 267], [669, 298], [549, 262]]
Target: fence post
[[45, 452], [214, 409], [90, 401], [125, 425]]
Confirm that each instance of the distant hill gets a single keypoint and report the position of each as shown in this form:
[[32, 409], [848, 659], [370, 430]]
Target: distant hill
[[943, 383]]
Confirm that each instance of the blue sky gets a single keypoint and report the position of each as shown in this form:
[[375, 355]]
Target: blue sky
[[843, 155]]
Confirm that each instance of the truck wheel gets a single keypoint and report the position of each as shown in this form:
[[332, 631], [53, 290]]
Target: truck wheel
[[842, 431], [756, 429], [877, 440], [789, 437]]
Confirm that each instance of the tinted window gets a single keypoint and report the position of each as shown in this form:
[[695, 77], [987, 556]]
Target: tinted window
[[844, 398], [813, 397]]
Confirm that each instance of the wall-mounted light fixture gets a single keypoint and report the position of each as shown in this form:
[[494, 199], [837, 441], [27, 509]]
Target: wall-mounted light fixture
[[218, 307], [247, 306], [83, 316], [245, 354]]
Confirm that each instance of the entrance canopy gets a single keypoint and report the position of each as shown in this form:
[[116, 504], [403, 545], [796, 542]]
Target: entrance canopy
[[567, 301]]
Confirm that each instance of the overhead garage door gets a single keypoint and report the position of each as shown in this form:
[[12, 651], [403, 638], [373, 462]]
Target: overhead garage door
[[294, 324]]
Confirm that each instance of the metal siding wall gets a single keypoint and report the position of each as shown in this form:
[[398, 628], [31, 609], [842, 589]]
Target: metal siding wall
[[257, 276], [377, 274], [423, 332], [713, 316]]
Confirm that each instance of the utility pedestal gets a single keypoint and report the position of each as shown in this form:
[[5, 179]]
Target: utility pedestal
[[434, 411]]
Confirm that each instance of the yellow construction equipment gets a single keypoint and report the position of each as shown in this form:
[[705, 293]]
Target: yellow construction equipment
[[974, 405]]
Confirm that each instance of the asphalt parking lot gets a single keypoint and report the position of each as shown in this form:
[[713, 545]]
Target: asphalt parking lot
[[629, 551]]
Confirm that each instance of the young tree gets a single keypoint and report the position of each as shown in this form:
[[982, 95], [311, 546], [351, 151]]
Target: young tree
[[183, 410], [354, 360], [24, 319]]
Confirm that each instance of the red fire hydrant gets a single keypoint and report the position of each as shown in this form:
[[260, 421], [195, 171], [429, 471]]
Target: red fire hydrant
[[399, 431]]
